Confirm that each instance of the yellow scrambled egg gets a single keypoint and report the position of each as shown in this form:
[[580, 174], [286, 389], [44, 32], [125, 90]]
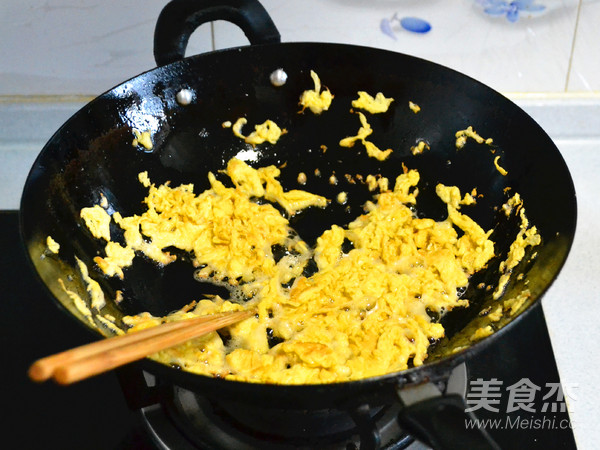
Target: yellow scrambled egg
[[316, 100], [144, 139], [512, 305], [116, 258], [374, 105], [364, 131], [526, 237], [374, 182], [499, 168], [52, 245], [419, 148], [267, 131], [364, 313], [78, 302], [218, 226], [97, 221], [463, 135], [367, 308], [414, 107], [93, 288]]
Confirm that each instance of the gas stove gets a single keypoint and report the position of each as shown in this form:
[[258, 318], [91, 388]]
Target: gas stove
[[513, 388]]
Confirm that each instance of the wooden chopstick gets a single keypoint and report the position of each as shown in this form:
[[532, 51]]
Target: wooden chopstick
[[92, 359]]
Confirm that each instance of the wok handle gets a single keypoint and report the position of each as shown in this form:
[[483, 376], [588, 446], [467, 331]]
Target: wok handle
[[179, 18], [441, 421]]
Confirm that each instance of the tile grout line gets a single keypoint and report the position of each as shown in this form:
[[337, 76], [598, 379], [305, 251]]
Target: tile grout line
[[573, 42], [212, 36]]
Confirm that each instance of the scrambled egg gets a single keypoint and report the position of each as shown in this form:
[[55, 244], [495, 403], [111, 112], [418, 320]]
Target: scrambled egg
[[109, 323], [374, 182], [499, 168], [527, 237], [462, 135], [144, 139], [315, 99], [250, 181], [218, 226], [79, 303], [97, 221], [93, 288], [377, 105], [52, 245], [267, 131], [116, 258], [482, 332], [419, 148], [414, 107], [512, 305], [365, 312], [364, 131], [367, 309]]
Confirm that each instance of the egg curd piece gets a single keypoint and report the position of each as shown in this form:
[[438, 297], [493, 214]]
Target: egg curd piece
[[79, 303], [267, 131], [117, 257], [414, 107], [365, 130], [97, 220], [499, 168], [250, 181], [97, 300], [474, 247], [526, 237], [219, 227], [52, 245], [315, 99], [375, 152], [419, 148], [142, 138], [329, 247], [377, 105], [365, 312], [463, 135]]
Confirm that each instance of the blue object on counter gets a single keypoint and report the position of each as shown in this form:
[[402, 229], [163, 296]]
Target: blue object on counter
[[415, 24], [510, 9], [386, 27]]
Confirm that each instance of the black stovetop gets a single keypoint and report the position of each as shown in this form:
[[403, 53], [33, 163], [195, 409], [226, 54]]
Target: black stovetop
[[93, 414]]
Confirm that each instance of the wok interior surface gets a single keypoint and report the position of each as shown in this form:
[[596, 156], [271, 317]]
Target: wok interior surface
[[92, 155]]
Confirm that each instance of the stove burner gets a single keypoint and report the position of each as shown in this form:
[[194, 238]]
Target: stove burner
[[189, 421], [186, 420]]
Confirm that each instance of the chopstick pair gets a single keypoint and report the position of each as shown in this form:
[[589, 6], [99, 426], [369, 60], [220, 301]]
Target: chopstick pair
[[92, 359]]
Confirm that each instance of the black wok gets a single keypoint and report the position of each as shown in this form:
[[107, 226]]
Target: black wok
[[92, 155]]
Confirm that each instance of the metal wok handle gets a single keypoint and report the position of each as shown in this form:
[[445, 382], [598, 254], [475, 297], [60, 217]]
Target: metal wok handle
[[179, 18], [440, 421]]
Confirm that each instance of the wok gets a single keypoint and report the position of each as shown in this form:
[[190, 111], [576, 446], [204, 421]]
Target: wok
[[92, 156]]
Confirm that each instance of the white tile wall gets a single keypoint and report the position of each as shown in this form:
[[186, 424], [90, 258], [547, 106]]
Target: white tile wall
[[64, 47], [531, 55], [585, 68], [74, 47]]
